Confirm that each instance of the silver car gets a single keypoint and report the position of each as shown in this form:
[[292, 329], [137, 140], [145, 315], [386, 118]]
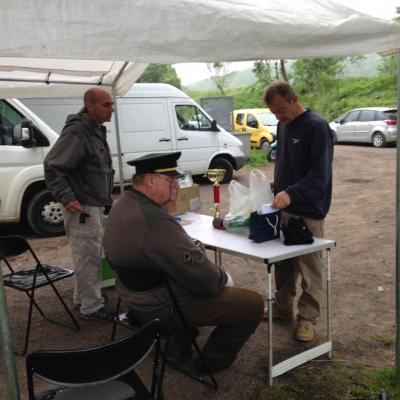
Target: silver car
[[376, 125]]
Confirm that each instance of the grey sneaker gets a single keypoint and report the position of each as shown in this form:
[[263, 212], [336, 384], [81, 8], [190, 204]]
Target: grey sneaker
[[77, 306], [100, 315]]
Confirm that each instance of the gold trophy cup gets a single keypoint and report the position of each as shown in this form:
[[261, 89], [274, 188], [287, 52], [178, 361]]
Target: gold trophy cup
[[215, 175]]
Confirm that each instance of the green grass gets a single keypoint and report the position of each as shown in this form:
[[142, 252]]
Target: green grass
[[386, 340], [258, 158], [334, 381], [344, 95]]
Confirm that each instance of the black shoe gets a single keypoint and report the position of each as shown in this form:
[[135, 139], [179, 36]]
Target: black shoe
[[189, 368], [179, 354], [129, 320], [100, 315], [132, 320], [77, 306]]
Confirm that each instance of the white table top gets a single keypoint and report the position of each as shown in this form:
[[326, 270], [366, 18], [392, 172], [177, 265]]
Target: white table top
[[200, 227]]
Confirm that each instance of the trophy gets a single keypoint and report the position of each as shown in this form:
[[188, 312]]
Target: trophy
[[215, 176]]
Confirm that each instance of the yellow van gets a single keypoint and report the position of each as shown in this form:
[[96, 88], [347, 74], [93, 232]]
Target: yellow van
[[259, 122]]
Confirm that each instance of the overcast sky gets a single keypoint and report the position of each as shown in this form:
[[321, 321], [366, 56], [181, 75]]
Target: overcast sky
[[193, 72]]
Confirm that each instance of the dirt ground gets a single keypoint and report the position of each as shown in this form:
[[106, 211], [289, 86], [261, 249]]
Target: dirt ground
[[361, 220]]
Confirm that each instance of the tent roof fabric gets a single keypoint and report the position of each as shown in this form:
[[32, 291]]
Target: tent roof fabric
[[75, 41], [172, 31]]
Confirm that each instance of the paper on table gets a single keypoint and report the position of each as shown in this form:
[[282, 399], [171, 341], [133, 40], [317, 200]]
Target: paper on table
[[267, 209], [193, 217]]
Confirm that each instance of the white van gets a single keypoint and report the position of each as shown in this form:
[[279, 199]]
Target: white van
[[152, 118]]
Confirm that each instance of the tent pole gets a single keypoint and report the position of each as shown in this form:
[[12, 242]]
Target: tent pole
[[7, 346], [117, 132], [117, 135], [45, 82], [398, 226]]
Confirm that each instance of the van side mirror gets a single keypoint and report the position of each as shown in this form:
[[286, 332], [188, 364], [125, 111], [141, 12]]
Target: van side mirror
[[214, 126], [26, 133]]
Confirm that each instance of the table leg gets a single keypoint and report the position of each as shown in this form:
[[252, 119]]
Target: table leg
[[270, 350], [217, 257], [328, 299]]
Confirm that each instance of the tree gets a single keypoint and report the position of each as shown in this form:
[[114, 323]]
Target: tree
[[316, 74], [389, 66], [220, 75], [264, 72], [160, 73]]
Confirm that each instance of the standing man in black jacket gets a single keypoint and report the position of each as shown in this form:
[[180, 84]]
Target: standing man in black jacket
[[79, 174], [302, 188]]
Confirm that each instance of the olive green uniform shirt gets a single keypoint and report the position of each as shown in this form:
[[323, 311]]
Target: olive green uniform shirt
[[140, 235]]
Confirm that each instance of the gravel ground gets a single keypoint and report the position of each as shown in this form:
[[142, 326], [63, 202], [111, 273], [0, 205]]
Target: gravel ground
[[361, 220]]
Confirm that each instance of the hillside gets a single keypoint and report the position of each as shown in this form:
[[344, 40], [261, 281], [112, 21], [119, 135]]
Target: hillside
[[365, 67]]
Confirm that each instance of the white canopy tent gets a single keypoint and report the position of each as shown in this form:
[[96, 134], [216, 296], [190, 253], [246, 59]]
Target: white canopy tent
[[77, 42], [174, 31], [56, 48]]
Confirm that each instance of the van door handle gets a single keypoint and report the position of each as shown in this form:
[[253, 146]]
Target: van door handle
[[183, 138], [164, 140]]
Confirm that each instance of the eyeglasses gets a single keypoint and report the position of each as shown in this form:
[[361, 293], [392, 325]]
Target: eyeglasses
[[171, 180]]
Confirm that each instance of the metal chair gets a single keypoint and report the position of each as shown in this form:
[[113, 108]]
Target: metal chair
[[32, 278], [168, 327], [100, 373]]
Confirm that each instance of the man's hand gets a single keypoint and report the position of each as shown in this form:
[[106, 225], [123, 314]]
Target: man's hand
[[74, 207], [281, 200], [272, 186]]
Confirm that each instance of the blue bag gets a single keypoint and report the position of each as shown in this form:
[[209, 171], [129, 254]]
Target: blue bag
[[264, 227]]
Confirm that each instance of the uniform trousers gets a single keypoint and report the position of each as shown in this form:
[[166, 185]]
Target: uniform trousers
[[85, 242], [309, 267], [235, 313]]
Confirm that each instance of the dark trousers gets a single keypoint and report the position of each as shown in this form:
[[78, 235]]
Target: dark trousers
[[235, 313]]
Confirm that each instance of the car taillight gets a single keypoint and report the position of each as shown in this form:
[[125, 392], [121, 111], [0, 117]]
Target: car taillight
[[391, 121]]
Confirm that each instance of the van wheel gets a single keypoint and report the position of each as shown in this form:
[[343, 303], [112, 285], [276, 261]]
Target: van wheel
[[44, 214], [378, 139], [222, 163], [265, 145]]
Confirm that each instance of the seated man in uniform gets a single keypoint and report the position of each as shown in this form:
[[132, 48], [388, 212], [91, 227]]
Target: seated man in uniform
[[142, 240]]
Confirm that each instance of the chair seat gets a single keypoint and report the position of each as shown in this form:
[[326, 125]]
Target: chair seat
[[115, 390], [23, 280]]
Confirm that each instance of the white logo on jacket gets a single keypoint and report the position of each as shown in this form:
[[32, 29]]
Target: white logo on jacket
[[294, 140]]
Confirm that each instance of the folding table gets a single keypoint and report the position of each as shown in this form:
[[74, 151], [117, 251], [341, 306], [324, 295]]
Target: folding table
[[200, 227]]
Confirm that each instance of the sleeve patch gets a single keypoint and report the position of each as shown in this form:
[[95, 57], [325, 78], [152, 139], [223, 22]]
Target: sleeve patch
[[187, 259]]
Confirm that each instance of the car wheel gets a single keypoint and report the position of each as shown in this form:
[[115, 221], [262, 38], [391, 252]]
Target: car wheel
[[265, 145], [378, 139], [44, 214], [334, 137], [222, 163], [271, 155]]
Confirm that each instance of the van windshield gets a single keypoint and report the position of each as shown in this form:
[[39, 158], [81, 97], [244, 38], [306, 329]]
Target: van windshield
[[267, 118]]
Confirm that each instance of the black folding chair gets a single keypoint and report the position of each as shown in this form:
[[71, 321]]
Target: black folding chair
[[32, 278], [169, 328], [101, 372]]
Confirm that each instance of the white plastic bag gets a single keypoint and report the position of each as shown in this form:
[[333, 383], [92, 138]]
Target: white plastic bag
[[260, 189], [239, 200], [238, 217]]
